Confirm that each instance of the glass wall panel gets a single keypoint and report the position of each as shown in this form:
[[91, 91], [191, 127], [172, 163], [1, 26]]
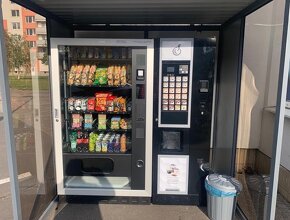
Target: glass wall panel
[[31, 109], [261, 62], [5, 190]]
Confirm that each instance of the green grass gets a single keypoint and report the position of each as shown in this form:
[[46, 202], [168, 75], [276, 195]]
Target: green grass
[[25, 82]]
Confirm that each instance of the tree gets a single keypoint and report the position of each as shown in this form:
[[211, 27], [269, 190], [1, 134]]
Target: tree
[[18, 53], [44, 59]]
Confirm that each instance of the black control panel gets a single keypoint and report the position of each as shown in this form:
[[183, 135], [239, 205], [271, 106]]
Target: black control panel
[[174, 92]]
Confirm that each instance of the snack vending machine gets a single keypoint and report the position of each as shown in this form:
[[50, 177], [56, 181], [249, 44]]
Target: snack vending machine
[[102, 93], [182, 118]]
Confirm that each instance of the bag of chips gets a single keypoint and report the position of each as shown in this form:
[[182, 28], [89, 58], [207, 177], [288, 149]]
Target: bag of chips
[[84, 104], [88, 121], [123, 74], [79, 70], [116, 75], [71, 103], [110, 103], [101, 101], [76, 121], [91, 104], [78, 104], [71, 75], [102, 122], [85, 74], [110, 75], [123, 141], [115, 123], [91, 76], [92, 141], [101, 76]]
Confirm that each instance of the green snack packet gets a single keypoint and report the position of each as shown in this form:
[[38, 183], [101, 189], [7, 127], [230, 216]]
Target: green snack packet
[[73, 141], [101, 76], [92, 141]]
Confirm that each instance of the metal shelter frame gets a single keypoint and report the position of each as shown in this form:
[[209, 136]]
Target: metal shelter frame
[[281, 94]]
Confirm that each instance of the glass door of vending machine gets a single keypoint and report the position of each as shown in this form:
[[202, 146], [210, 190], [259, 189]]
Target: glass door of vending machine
[[103, 116]]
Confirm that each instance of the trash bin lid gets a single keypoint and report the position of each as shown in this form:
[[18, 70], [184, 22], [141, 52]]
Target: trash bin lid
[[224, 183]]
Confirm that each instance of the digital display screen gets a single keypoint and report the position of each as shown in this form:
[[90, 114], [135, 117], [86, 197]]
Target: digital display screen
[[170, 69], [140, 73]]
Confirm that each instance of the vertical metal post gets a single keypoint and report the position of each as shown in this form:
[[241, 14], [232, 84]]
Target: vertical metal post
[[9, 134], [279, 117]]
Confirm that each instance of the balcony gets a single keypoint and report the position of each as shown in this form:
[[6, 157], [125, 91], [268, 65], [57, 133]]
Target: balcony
[[41, 43], [40, 55], [39, 18], [40, 30]]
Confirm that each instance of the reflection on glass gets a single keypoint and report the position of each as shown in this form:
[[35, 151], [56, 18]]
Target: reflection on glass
[[5, 191], [261, 60], [31, 110]]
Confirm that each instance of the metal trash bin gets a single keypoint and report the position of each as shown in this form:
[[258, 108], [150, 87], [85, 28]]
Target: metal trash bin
[[222, 194]]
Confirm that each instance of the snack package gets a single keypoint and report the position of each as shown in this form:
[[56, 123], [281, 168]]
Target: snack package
[[91, 104], [79, 141], [76, 121], [85, 142], [91, 75], [84, 104], [123, 75], [85, 74], [115, 123], [109, 53], [79, 71], [122, 103], [71, 75], [92, 141], [116, 75], [111, 143], [101, 77], [73, 141], [78, 104], [91, 53], [88, 121], [101, 101], [110, 75], [71, 103], [97, 53], [84, 52], [102, 122], [105, 142], [98, 146], [117, 145], [123, 147], [124, 123], [110, 103]]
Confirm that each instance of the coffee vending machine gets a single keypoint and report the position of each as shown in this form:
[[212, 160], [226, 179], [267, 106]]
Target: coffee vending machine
[[182, 118]]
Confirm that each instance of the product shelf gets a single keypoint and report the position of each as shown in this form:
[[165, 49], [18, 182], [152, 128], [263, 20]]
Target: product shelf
[[101, 130], [97, 154], [97, 112], [127, 86]]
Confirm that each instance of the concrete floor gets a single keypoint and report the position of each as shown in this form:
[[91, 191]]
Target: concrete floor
[[129, 212]]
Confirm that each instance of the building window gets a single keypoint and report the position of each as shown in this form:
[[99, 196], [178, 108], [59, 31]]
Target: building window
[[30, 31], [31, 43], [15, 13], [15, 25], [30, 19]]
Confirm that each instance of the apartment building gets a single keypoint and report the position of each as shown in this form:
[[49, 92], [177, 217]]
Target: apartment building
[[32, 27]]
